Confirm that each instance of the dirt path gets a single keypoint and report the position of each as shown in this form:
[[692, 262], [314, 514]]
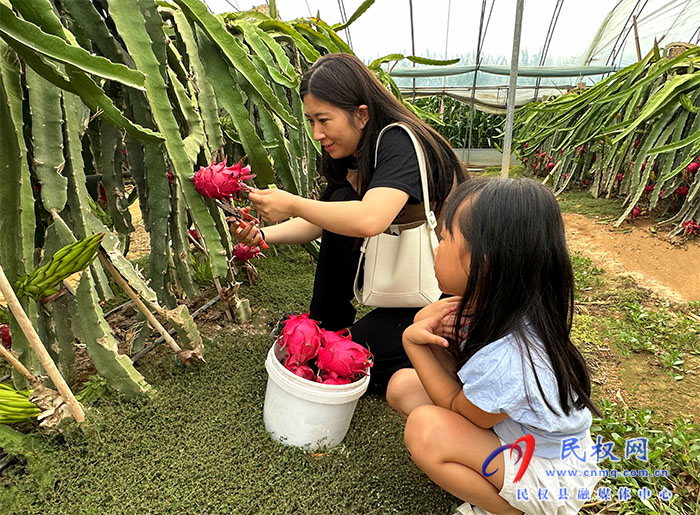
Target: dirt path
[[672, 271]]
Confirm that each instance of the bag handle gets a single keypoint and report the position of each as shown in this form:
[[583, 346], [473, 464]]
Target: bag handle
[[355, 284], [420, 155]]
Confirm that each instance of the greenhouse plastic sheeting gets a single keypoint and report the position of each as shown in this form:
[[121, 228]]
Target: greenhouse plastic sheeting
[[489, 100], [661, 20], [585, 32], [586, 36]]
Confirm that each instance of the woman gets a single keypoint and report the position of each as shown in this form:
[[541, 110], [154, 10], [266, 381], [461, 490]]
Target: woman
[[347, 107]]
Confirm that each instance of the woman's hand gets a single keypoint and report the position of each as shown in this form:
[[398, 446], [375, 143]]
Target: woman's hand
[[246, 233], [273, 205], [432, 328]]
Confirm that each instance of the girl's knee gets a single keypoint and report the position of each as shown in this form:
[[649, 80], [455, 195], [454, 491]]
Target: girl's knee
[[421, 431], [399, 387]]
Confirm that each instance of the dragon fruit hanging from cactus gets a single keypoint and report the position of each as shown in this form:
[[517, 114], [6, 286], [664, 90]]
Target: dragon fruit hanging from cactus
[[222, 182]]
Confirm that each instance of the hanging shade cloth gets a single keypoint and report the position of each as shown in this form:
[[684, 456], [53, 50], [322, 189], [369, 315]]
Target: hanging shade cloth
[[523, 71], [488, 99]]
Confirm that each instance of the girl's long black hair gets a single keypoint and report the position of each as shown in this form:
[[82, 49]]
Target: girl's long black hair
[[344, 81], [520, 279]]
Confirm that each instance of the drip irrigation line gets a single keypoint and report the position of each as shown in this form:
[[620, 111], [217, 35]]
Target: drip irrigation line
[[120, 306], [7, 461], [160, 340]]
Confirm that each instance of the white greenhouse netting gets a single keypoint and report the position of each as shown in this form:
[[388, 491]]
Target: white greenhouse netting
[[568, 35]]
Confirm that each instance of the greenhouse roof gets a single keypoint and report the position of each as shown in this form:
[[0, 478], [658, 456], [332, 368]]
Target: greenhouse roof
[[563, 43], [597, 32]]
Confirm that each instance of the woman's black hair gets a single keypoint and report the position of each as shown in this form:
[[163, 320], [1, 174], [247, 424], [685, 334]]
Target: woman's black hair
[[520, 279], [345, 82]]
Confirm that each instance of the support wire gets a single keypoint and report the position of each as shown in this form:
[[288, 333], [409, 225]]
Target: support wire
[[479, 45], [547, 42]]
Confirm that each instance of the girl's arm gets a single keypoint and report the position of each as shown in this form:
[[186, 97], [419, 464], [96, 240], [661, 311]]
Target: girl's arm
[[441, 385], [357, 218], [290, 232]]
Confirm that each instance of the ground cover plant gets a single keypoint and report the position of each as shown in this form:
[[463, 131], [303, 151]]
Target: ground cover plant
[[200, 444]]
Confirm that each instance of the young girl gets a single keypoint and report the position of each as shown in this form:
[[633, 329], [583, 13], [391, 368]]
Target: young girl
[[347, 108], [495, 363]]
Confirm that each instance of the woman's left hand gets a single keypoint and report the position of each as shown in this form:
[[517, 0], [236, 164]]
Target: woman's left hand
[[273, 205]]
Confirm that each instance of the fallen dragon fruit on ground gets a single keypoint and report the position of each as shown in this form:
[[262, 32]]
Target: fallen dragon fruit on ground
[[328, 357]]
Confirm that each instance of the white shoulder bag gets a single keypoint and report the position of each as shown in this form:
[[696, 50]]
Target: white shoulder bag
[[398, 263]]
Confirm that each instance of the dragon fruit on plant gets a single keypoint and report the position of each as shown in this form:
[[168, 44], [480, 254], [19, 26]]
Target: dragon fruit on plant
[[222, 182], [690, 227], [242, 252], [5, 336]]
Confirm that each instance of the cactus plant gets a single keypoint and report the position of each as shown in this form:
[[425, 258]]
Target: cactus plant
[[172, 86]]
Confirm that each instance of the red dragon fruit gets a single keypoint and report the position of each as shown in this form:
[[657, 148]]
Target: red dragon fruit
[[243, 252], [5, 336], [619, 177], [682, 191], [219, 181], [339, 356], [301, 370], [690, 227], [301, 336], [636, 211], [649, 188], [586, 182], [693, 167], [329, 379]]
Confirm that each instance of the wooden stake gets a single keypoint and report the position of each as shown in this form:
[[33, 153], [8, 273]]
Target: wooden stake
[[38, 347], [109, 267], [636, 38], [12, 360], [224, 300]]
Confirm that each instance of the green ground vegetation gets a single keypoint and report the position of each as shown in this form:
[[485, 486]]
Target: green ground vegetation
[[200, 445]]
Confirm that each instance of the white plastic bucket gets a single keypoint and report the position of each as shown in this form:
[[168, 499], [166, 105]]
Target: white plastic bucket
[[305, 414]]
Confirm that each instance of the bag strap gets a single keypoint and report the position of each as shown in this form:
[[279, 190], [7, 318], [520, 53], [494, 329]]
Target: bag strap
[[422, 166], [355, 284]]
